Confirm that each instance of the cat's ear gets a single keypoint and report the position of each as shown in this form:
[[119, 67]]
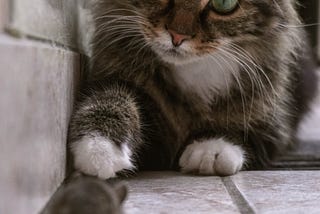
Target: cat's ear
[[121, 190]]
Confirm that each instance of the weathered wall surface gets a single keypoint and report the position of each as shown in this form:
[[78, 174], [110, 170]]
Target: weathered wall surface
[[40, 60]]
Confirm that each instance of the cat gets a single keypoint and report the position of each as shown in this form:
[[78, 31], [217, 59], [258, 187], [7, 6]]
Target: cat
[[84, 194], [208, 87]]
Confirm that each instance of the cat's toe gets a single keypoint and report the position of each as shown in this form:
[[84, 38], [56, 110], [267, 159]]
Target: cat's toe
[[98, 156], [230, 160], [212, 157]]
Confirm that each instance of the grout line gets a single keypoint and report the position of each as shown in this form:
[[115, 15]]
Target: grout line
[[17, 34], [237, 197]]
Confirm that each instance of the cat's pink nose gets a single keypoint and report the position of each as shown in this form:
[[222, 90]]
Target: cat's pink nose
[[177, 38]]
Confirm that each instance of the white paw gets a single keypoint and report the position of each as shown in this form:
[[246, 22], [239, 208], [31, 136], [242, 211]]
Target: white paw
[[98, 156], [212, 157]]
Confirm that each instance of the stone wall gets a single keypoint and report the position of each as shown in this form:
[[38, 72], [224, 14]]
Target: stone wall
[[41, 47]]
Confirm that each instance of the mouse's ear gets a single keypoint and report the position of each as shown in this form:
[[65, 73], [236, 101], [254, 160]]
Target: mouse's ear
[[121, 191]]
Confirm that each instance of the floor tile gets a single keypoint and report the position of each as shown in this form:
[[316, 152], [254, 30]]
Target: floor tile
[[169, 192], [280, 191]]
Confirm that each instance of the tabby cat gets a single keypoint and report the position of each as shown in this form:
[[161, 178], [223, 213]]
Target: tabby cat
[[203, 86]]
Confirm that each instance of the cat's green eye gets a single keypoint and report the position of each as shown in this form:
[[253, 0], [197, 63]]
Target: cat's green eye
[[224, 6]]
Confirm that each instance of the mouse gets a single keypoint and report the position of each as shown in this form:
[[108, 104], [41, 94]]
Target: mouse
[[85, 194]]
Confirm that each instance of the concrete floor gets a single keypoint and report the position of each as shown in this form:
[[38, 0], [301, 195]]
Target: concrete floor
[[293, 187], [247, 192]]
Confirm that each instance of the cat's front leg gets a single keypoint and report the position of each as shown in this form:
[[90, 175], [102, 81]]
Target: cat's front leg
[[105, 132], [216, 156]]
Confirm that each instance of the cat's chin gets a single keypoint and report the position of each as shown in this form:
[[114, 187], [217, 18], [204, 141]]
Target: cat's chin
[[175, 58]]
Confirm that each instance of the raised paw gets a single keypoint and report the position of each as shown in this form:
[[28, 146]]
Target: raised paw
[[212, 157], [98, 156]]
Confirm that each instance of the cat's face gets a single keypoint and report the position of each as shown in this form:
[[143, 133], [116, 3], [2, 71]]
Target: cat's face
[[182, 30]]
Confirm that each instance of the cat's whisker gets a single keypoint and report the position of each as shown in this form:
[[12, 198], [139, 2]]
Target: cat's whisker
[[299, 26], [258, 69], [238, 81], [253, 70], [115, 16], [106, 13], [112, 42], [246, 61], [120, 27], [126, 19], [251, 60], [132, 23], [278, 7], [116, 34], [244, 102], [119, 38], [128, 25], [227, 84], [106, 28], [120, 23], [134, 44], [251, 76], [107, 17], [142, 48], [121, 31]]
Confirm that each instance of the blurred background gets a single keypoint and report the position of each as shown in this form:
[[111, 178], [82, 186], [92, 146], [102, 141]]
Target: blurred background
[[309, 11]]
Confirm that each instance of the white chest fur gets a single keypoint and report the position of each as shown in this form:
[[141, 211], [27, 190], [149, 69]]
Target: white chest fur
[[207, 76]]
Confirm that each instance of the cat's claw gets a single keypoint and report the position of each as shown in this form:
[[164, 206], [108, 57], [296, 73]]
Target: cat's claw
[[98, 156], [212, 157]]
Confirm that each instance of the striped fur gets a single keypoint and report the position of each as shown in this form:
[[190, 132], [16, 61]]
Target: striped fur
[[137, 93]]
